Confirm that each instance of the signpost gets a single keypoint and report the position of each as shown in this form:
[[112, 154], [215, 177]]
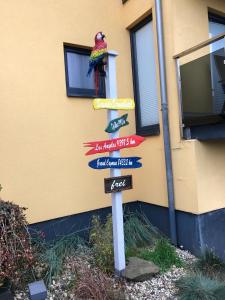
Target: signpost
[[114, 144], [118, 184], [117, 205], [115, 163], [117, 123], [113, 103]]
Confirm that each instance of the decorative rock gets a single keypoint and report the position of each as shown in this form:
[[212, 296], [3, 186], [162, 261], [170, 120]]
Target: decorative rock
[[140, 270]]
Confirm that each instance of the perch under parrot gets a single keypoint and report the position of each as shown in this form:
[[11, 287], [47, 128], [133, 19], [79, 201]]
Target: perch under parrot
[[97, 59]]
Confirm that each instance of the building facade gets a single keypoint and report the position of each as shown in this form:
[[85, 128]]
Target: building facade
[[47, 115]]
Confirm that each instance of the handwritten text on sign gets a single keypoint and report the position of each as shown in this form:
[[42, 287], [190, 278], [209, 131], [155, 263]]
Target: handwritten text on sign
[[114, 103], [115, 163], [114, 144], [117, 123], [118, 184]]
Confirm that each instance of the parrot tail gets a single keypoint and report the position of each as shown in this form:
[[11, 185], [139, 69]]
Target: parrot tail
[[89, 71], [96, 82]]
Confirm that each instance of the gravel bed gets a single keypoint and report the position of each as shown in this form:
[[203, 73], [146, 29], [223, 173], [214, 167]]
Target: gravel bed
[[160, 287], [186, 256]]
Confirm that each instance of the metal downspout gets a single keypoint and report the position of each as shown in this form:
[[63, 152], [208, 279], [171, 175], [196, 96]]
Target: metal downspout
[[166, 132]]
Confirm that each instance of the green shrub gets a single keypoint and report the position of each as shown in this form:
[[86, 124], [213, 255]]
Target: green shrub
[[101, 238], [138, 231], [198, 287], [163, 255], [210, 265]]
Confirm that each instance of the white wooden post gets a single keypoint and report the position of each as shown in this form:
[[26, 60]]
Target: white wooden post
[[117, 208]]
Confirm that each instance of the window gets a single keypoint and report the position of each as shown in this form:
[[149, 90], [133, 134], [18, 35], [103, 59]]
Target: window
[[203, 88], [78, 84], [144, 77], [216, 26]]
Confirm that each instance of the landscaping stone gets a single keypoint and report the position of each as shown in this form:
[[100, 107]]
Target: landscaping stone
[[162, 286], [140, 270]]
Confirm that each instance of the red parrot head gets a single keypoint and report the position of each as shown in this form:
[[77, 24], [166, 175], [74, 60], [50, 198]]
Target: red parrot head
[[99, 36]]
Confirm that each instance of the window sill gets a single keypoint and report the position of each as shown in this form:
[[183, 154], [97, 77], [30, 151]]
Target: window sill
[[84, 93], [85, 96], [151, 130]]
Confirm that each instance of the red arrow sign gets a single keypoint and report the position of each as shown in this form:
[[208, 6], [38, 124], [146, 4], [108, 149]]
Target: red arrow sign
[[114, 144]]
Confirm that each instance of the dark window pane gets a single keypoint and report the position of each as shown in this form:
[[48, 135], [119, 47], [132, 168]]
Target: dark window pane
[[78, 83]]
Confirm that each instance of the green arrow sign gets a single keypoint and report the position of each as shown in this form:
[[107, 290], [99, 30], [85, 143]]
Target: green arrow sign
[[117, 123]]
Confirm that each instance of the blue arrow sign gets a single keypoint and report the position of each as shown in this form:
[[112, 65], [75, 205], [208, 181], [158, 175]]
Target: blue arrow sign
[[115, 163]]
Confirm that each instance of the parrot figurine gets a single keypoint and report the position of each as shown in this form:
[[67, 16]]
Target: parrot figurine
[[97, 60]]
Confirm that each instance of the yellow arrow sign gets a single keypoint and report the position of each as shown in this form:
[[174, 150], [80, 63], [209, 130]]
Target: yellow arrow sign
[[121, 103]]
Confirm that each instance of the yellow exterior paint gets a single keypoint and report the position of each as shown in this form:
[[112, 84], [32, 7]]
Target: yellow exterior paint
[[42, 161], [210, 165]]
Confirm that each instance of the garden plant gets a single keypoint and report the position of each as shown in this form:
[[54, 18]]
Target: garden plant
[[205, 279], [91, 263], [16, 256]]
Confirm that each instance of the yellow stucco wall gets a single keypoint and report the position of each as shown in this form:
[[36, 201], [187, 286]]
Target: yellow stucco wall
[[42, 161], [43, 166], [210, 164]]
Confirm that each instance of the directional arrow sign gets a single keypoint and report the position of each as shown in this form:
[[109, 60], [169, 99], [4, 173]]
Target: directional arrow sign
[[114, 103], [115, 163], [114, 144], [117, 123], [118, 184]]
